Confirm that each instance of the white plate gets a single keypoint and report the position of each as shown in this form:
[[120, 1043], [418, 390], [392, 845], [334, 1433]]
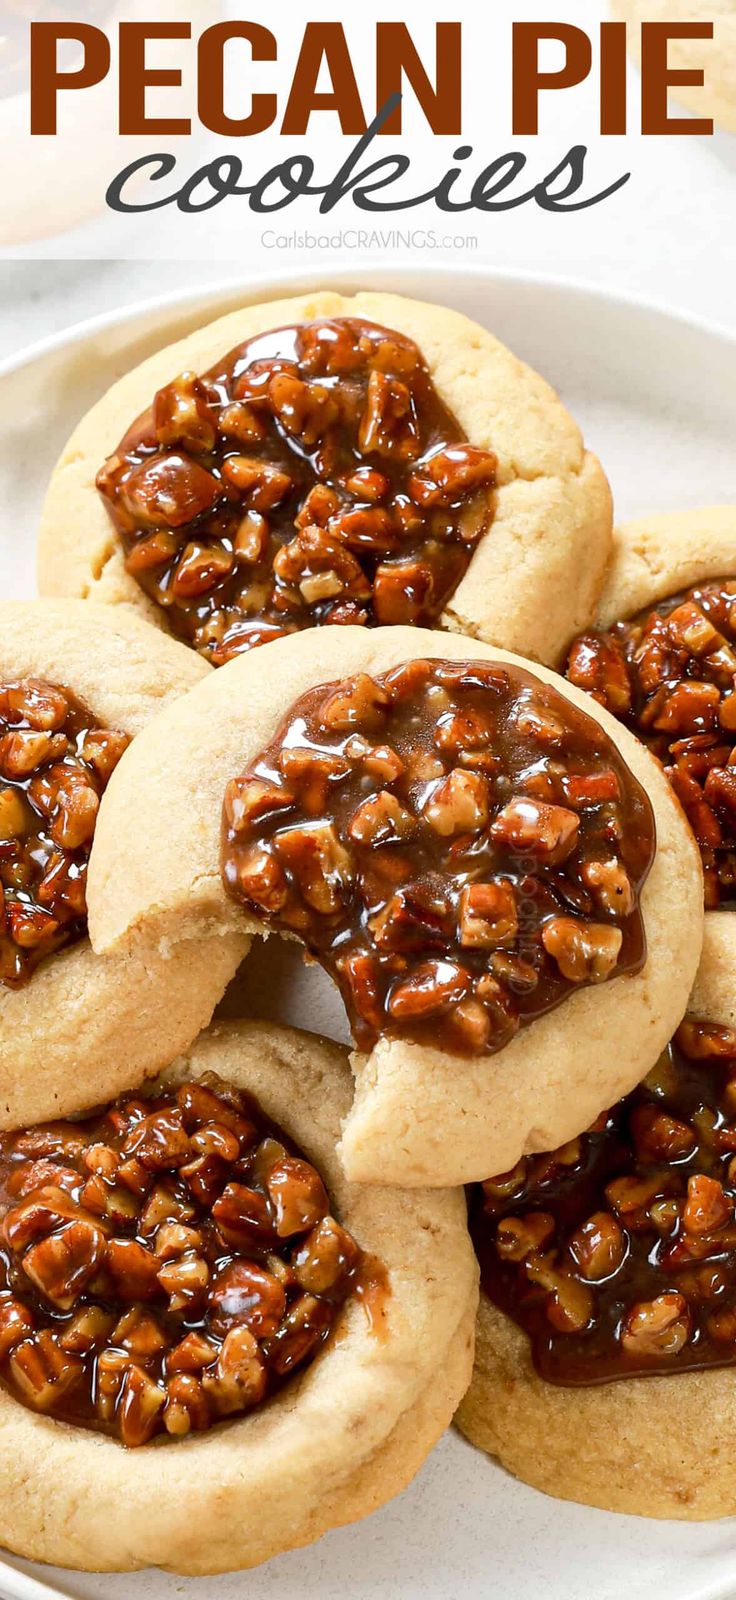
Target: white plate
[[657, 399]]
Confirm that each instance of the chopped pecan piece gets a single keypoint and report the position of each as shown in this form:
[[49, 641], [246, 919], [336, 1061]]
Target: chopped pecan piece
[[360, 703], [169, 489], [534, 828], [139, 1404], [133, 1269], [199, 568], [245, 1294], [305, 410], [325, 1258], [62, 1265], [658, 1136], [432, 986], [707, 1208], [448, 475], [319, 863], [598, 1247], [159, 1141], [140, 1333], [380, 819], [240, 1376], [659, 1327], [569, 1304], [182, 415], [244, 1217], [187, 1406], [42, 1371], [192, 1354], [585, 952], [16, 1322], [388, 425], [184, 1280], [303, 1328], [297, 1194], [609, 885], [459, 804], [518, 1237], [263, 484], [488, 916]]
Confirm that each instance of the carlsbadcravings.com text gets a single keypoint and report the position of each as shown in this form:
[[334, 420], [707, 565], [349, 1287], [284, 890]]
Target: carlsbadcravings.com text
[[369, 239], [500, 185]]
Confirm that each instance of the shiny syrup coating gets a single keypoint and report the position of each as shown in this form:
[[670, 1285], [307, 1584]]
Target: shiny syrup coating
[[165, 1263], [313, 476], [670, 675], [458, 845], [617, 1253], [55, 763]]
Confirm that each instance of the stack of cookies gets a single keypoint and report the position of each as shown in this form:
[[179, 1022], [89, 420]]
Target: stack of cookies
[[338, 646]]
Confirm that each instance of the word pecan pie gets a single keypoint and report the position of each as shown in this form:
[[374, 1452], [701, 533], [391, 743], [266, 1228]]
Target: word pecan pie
[[608, 1273], [485, 863], [77, 683], [669, 671], [331, 461], [171, 1267]]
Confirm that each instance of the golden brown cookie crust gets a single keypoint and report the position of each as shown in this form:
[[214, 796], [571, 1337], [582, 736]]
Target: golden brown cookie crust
[[653, 1447], [420, 1116], [336, 1443], [86, 1027], [716, 57], [531, 584], [661, 555]]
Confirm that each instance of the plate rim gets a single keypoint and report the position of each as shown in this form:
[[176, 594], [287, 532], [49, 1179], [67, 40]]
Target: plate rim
[[328, 275]]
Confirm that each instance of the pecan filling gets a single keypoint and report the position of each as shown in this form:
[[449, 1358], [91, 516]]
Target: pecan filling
[[456, 844], [165, 1263], [314, 476], [617, 1253], [55, 763], [670, 674]]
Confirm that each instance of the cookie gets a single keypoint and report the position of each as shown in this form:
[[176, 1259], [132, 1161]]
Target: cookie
[[487, 1023], [664, 660], [636, 1411], [376, 460], [330, 1327], [77, 683]]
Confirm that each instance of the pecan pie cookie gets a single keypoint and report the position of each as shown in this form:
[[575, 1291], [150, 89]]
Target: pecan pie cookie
[[77, 682], [715, 58], [325, 460], [663, 659], [606, 1336], [493, 871], [203, 1323]]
